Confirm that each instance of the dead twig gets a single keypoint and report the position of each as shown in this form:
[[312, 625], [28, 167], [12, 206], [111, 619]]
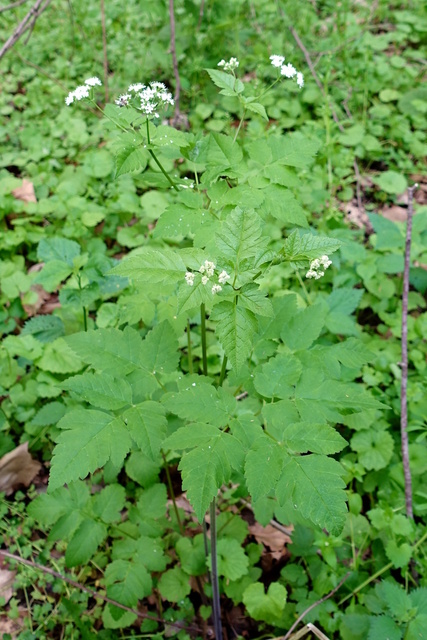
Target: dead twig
[[315, 604], [13, 5], [91, 592], [404, 362], [104, 50], [27, 23], [179, 120]]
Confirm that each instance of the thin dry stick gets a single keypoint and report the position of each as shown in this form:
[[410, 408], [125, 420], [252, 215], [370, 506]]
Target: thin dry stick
[[27, 23], [13, 5], [315, 604], [404, 363], [104, 50], [201, 11], [91, 592], [42, 71], [179, 120]]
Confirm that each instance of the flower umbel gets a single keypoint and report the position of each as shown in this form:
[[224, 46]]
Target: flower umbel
[[232, 64], [83, 91], [207, 270], [223, 277], [318, 267], [277, 61], [189, 277], [287, 70]]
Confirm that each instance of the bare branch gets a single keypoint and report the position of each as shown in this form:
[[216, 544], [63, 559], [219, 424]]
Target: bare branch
[[13, 5], [315, 604], [27, 23], [404, 362], [179, 119], [91, 592]]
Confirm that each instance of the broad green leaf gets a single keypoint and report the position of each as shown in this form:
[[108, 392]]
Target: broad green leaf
[[221, 152], [191, 436], [206, 468], [352, 353], [388, 234], [44, 328], [263, 466], [47, 508], [165, 136], [240, 236], [375, 448], [304, 327], [275, 378], [52, 274], [282, 205], [159, 352], [152, 502], [235, 329], [58, 249], [130, 159], [345, 300], [147, 425], [391, 182], [302, 437], [87, 441], [58, 357], [229, 84], [314, 486], [201, 402], [152, 265], [109, 350], [174, 585], [337, 394], [100, 390], [127, 581], [85, 542], [258, 108], [397, 600], [191, 297], [255, 300], [233, 563], [49, 414], [384, 627], [191, 553], [265, 606], [149, 550], [299, 247], [108, 503]]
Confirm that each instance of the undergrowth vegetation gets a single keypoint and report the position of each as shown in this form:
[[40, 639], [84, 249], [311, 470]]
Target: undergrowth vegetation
[[201, 283]]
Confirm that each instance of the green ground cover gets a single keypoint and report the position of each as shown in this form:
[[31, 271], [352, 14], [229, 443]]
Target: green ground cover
[[164, 356]]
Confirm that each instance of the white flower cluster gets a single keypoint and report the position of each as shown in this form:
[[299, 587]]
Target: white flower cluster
[[232, 64], [207, 269], [287, 70], [151, 98], [316, 267], [82, 91]]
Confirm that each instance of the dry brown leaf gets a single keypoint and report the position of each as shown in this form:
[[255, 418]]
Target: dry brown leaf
[[394, 213], [25, 192], [42, 297], [355, 215], [271, 537], [17, 468], [6, 583]]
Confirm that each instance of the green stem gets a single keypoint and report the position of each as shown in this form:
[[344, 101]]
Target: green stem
[[223, 371], [172, 494], [157, 161], [240, 124], [203, 331], [189, 349], [304, 288], [79, 282], [214, 574]]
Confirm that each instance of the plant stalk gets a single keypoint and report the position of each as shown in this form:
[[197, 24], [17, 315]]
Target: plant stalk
[[157, 161], [189, 349], [214, 574], [203, 331]]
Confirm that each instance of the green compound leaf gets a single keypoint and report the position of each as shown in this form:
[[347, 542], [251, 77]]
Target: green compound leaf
[[152, 265], [109, 350], [201, 402], [127, 581], [174, 585], [191, 297], [130, 159], [253, 299], [265, 606], [384, 627], [240, 236], [258, 108], [220, 153], [308, 247], [85, 542], [44, 328], [206, 468], [352, 353], [229, 84], [235, 329], [304, 327], [398, 601], [159, 352], [147, 425], [314, 485], [263, 466], [100, 390], [282, 205], [276, 377], [88, 440], [398, 554], [59, 249], [233, 563], [191, 436], [191, 552], [302, 437], [375, 448], [108, 503]]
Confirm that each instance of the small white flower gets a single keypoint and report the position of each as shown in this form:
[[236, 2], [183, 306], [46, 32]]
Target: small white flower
[[300, 79], [223, 277], [69, 99], [123, 100], [315, 267], [216, 288], [92, 82], [288, 70], [205, 279], [189, 277], [277, 61], [232, 64], [208, 267]]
